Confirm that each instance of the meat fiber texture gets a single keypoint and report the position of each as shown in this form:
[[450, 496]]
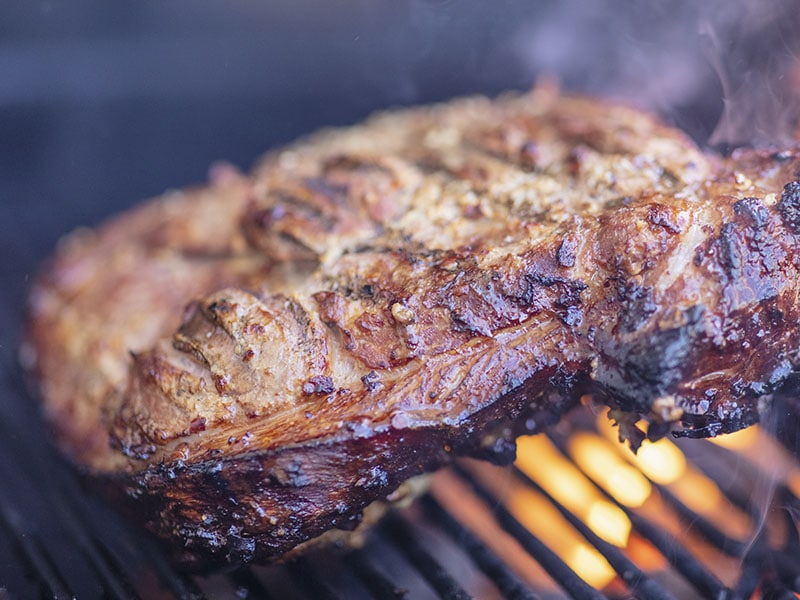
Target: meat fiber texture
[[252, 363]]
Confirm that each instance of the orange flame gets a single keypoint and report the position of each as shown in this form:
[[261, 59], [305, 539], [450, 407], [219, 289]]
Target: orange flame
[[543, 520], [598, 459], [539, 460]]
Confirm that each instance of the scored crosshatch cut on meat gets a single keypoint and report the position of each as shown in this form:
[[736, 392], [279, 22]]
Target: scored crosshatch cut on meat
[[253, 363]]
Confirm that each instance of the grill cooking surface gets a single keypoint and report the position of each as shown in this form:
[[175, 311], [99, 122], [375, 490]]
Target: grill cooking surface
[[83, 134], [480, 532]]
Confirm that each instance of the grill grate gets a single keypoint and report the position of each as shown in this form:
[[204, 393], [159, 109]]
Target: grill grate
[[509, 585], [402, 534], [375, 581], [57, 542], [554, 566], [638, 582]]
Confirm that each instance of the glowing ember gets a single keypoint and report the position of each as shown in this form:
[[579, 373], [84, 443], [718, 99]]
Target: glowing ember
[[592, 567], [545, 522], [601, 461], [592, 465], [794, 483], [739, 440], [609, 522], [698, 493], [665, 464], [542, 462], [661, 461]]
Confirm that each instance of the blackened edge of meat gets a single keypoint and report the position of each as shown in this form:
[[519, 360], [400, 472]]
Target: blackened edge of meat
[[634, 372], [306, 490], [790, 206]]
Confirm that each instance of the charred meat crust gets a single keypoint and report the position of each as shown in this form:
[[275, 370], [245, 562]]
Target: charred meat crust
[[251, 364], [261, 504]]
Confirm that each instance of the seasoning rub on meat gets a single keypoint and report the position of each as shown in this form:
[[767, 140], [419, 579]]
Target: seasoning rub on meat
[[252, 363]]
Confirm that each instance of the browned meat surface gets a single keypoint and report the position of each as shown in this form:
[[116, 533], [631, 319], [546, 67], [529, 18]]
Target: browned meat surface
[[253, 363]]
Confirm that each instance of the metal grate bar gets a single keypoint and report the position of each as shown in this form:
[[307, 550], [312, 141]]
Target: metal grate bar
[[436, 575], [181, 585], [55, 500], [41, 565], [555, 567], [680, 559], [33, 553], [13, 577], [248, 585], [114, 582], [787, 569], [308, 580], [774, 590], [787, 430], [484, 558], [638, 582], [676, 554], [753, 568], [378, 585], [777, 571], [703, 526], [786, 561], [791, 513], [740, 498], [718, 470]]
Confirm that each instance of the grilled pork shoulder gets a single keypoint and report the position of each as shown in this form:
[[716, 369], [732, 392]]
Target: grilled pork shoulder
[[253, 363]]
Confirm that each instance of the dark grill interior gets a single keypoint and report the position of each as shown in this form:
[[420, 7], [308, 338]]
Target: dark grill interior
[[59, 542], [101, 106]]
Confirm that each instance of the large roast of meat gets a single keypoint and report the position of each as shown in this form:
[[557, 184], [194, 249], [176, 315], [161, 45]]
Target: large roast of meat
[[253, 363]]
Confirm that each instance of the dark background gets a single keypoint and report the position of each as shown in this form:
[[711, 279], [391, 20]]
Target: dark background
[[103, 104]]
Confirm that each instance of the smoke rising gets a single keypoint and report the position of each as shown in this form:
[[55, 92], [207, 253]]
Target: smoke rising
[[758, 62], [733, 63]]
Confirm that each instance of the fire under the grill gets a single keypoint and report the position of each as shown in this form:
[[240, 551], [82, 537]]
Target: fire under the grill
[[578, 515]]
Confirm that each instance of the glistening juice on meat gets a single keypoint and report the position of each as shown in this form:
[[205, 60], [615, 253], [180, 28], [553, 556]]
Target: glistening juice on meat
[[253, 363]]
